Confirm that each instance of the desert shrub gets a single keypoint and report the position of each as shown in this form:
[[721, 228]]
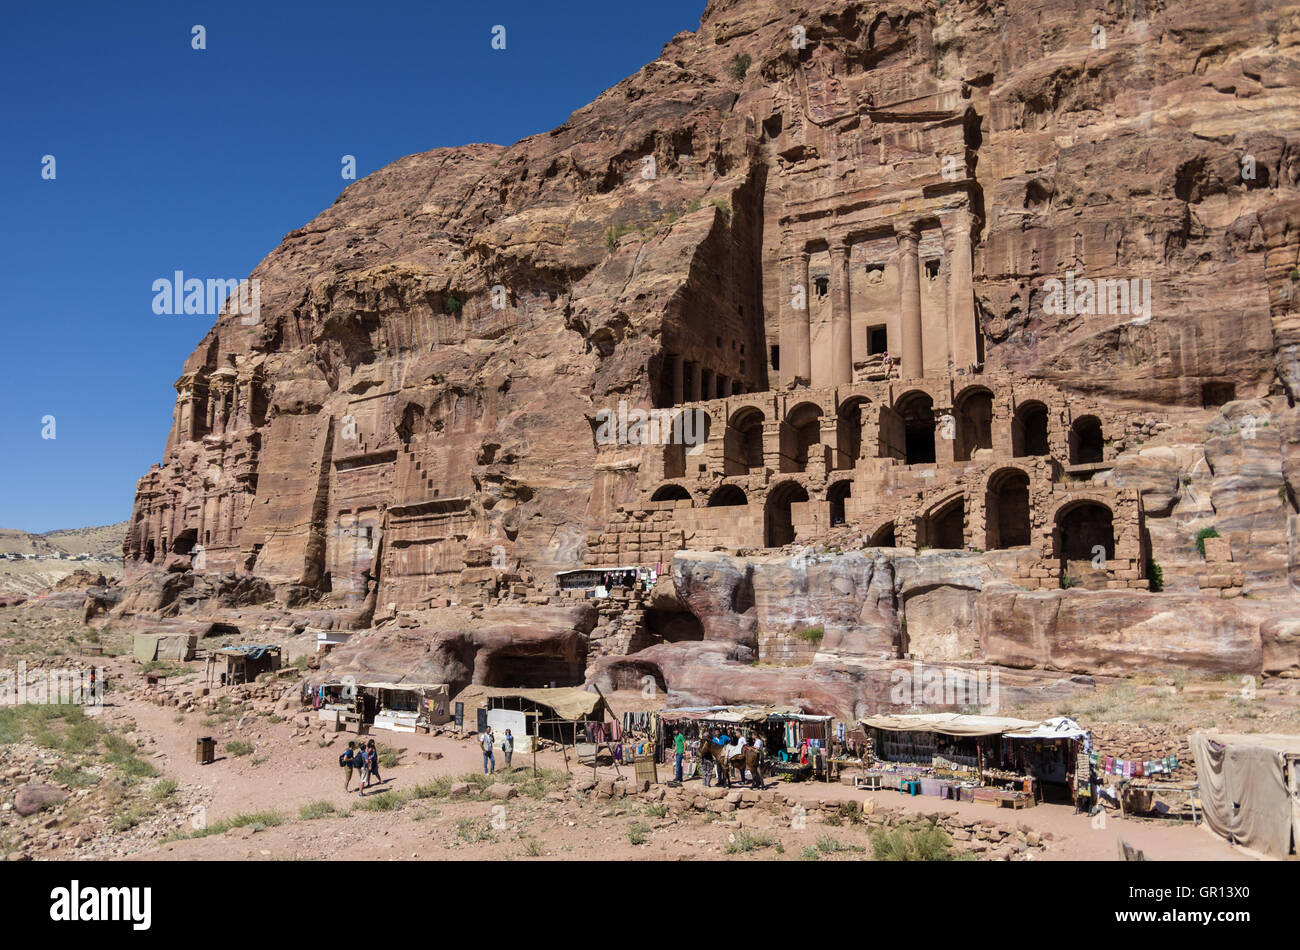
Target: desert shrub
[[744, 841], [1202, 535], [915, 841], [814, 634], [313, 810]]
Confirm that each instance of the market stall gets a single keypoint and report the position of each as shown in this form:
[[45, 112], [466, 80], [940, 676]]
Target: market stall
[[564, 714], [1055, 755], [242, 664], [598, 583], [798, 745], [694, 721], [406, 707], [950, 755], [337, 704], [795, 744]]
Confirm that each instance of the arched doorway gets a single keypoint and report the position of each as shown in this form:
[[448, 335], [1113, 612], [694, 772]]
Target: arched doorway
[[945, 526], [727, 496], [801, 437], [1086, 440], [671, 493], [848, 428], [974, 423], [836, 495], [883, 537], [1006, 510], [1029, 430], [778, 517], [1084, 530], [743, 443], [917, 414]]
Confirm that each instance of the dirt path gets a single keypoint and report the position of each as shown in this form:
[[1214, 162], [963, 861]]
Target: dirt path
[[298, 771]]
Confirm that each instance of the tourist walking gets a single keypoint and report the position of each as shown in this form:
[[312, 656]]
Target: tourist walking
[[485, 741], [372, 762], [348, 760], [363, 768], [706, 760], [508, 747]]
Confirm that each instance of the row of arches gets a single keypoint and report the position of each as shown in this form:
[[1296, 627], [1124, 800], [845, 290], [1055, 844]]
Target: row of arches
[[1080, 528], [907, 431]]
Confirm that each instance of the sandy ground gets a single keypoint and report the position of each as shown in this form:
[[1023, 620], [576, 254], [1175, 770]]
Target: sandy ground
[[291, 766], [298, 772]]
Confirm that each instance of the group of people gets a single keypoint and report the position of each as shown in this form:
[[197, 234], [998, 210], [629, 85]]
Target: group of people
[[487, 742], [365, 761], [717, 737]]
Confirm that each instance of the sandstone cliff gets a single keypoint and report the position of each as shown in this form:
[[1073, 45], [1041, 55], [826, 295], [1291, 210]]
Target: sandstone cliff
[[411, 420]]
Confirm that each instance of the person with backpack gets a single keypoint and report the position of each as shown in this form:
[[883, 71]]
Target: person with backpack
[[485, 741], [372, 762], [347, 759], [363, 768], [508, 747]]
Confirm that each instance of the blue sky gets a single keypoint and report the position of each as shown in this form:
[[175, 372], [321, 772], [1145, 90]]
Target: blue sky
[[169, 158]]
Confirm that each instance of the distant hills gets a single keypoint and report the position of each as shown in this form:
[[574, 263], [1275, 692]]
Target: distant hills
[[105, 539]]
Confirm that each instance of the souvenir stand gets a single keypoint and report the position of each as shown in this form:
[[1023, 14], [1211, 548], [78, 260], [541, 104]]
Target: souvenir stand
[[797, 745], [947, 755], [599, 583], [339, 704], [1053, 756], [1135, 784], [408, 707], [693, 721]]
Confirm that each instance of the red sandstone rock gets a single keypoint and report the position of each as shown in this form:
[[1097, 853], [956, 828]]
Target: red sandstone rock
[[412, 421]]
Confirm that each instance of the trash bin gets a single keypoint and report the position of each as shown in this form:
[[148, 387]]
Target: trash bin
[[206, 751]]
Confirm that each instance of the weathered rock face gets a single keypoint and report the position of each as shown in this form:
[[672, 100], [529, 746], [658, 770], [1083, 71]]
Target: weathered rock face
[[535, 647], [410, 420]]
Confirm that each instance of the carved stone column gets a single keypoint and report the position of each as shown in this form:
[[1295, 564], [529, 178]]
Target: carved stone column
[[801, 342], [961, 293], [841, 320], [909, 302]]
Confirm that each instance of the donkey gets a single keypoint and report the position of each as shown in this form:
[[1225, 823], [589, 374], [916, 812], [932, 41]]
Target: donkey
[[749, 759]]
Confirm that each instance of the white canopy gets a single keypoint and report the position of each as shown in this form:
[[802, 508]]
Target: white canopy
[[1061, 727], [950, 724]]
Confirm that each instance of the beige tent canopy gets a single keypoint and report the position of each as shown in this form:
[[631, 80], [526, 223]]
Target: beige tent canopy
[[732, 714], [1250, 788], [568, 702], [950, 724]]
